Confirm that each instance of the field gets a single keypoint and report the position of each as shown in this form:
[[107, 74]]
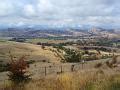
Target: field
[[34, 52], [59, 44], [46, 67], [94, 79], [34, 41]]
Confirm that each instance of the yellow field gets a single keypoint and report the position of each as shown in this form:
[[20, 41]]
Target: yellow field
[[99, 79], [34, 52]]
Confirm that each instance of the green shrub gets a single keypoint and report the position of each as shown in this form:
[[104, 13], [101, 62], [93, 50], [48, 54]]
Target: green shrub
[[72, 56]]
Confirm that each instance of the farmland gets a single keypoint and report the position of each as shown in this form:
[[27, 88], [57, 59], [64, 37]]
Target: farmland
[[53, 59], [60, 45]]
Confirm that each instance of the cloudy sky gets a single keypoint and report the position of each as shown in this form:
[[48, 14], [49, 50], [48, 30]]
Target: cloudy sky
[[82, 12]]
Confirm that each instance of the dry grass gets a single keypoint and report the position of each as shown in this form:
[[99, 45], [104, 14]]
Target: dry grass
[[95, 79], [18, 49]]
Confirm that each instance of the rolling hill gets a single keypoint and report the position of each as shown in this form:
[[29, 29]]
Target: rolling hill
[[33, 52], [62, 32]]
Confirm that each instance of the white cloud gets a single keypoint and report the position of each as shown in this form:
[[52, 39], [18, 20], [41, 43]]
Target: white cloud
[[29, 10], [66, 11], [6, 8], [20, 24], [44, 4]]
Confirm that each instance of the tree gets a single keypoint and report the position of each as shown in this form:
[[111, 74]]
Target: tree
[[17, 70], [43, 46], [72, 56]]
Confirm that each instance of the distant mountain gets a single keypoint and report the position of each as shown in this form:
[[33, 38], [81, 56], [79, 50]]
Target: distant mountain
[[56, 32]]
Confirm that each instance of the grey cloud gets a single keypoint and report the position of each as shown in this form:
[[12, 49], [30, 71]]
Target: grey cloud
[[78, 11]]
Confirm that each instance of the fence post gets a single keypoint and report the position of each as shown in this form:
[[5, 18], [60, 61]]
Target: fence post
[[45, 71], [79, 66], [61, 69], [72, 68], [83, 61], [82, 65]]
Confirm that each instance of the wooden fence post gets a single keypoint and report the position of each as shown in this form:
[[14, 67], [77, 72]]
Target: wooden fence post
[[45, 71], [72, 68], [61, 68], [83, 63]]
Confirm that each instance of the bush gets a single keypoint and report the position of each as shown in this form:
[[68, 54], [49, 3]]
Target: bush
[[3, 67], [90, 57], [42, 46], [17, 70], [113, 63], [98, 65], [72, 56], [30, 62]]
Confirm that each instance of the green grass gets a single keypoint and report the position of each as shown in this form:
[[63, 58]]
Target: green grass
[[34, 41], [3, 40]]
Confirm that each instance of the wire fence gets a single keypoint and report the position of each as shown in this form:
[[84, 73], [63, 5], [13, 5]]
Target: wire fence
[[66, 67], [59, 69], [39, 71]]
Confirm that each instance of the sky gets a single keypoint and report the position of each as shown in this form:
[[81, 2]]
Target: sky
[[60, 12]]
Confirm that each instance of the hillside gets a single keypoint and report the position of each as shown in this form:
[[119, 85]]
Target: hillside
[[35, 33], [34, 52]]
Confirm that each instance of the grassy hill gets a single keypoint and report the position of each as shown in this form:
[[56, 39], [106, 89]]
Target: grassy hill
[[34, 52]]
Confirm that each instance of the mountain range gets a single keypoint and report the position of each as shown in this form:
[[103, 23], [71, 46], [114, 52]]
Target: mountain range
[[41, 31]]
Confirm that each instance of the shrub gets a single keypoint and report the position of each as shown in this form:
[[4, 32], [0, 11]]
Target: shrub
[[72, 56], [43, 46], [3, 67], [98, 65], [30, 62], [113, 63], [17, 70], [114, 60]]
